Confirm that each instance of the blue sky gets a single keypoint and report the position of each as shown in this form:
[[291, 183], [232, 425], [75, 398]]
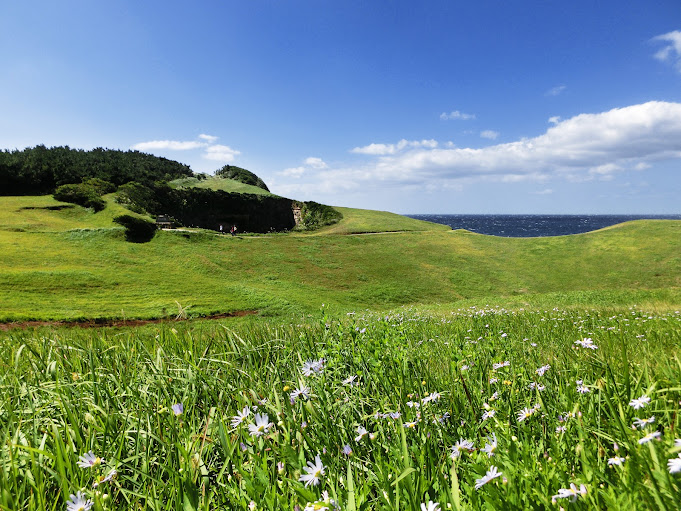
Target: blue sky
[[411, 107]]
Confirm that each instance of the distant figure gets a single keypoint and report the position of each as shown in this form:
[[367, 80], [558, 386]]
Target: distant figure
[[233, 230], [220, 228]]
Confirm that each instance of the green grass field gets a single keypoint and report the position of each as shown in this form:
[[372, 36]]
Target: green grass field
[[482, 408], [72, 264], [445, 370]]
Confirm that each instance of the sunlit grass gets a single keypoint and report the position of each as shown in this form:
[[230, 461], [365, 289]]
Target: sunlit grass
[[417, 383]]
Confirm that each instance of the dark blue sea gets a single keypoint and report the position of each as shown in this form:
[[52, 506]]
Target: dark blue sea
[[526, 226]]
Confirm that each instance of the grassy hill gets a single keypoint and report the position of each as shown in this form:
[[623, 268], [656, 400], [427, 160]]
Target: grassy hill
[[70, 263], [219, 183]]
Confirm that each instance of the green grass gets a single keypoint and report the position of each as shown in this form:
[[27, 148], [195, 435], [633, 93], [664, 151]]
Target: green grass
[[358, 221], [71, 264], [218, 183], [464, 375], [45, 214]]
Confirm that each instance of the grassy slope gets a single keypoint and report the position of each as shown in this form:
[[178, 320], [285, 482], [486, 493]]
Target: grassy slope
[[218, 183], [369, 221], [47, 272]]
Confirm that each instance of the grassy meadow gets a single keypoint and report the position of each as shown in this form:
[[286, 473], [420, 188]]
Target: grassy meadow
[[479, 408], [444, 370], [70, 264]]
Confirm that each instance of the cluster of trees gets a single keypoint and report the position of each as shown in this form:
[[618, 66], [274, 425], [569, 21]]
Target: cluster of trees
[[83, 177], [40, 170]]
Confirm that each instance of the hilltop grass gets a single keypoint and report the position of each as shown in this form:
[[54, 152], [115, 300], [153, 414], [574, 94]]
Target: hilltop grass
[[74, 264], [219, 183], [396, 411], [360, 221]]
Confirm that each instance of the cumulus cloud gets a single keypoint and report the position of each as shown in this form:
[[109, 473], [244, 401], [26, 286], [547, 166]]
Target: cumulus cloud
[[555, 119], [382, 149], [310, 163], [295, 172], [489, 134], [316, 163], [671, 52], [211, 151], [555, 91], [174, 145], [456, 115], [585, 147], [220, 153]]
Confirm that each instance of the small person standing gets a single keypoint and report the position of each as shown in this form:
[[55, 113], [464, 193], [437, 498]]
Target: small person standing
[[220, 228], [233, 230]]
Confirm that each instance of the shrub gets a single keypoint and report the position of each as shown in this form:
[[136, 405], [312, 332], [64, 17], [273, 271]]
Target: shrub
[[81, 194], [315, 215], [137, 230], [100, 185]]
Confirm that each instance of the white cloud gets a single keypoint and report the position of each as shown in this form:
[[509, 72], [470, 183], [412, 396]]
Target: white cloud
[[208, 138], [642, 166], [295, 172], [584, 147], [489, 134], [555, 91], [316, 163], [456, 115], [168, 144], [555, 119], [220, 153], [671, 52], [546, 191], [383, 149]]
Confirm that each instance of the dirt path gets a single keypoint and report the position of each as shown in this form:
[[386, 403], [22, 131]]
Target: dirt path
[[97, 323]]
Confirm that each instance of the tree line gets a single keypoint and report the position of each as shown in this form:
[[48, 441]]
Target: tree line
[[41, 170]]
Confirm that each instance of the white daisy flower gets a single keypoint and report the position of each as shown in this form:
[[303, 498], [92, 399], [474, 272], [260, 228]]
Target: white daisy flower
[[491, 446], [78, 502], [488, 414], [361, 432], [639, 403], [302, 391], [543, 369], [262, 425], [431, 506], [240, 416], [434, 396], [649, 437], [492, 473], [461, 445], [674, 465], [312, 367], [350, 380], [571, 493], [642, 423], [89, 460], [616, 461], [313, 472], [525, 413]]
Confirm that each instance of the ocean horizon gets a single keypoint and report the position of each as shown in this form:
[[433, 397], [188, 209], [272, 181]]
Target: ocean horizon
[[528, 226]]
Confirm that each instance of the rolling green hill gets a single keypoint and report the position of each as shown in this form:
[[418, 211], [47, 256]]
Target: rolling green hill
[[70, 263], [219, 183]]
